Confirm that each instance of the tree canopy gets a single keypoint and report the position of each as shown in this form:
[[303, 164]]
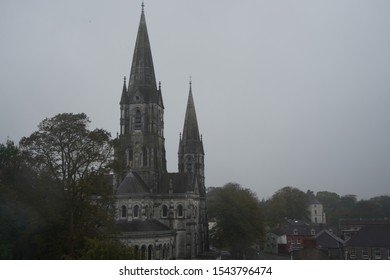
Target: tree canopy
[[54, 195], [238, 216], [288, 202]]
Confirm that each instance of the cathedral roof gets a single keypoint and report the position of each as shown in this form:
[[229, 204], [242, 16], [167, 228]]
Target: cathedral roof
[[176, 183], [141, 226], [132, 183]]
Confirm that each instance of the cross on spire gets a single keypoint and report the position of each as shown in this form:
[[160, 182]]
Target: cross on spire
[[143, 6]]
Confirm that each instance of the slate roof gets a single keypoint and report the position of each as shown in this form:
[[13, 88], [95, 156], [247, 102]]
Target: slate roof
[[177, 182], [371, 236], [141, 226], [301, 228], [132, 183], [326, 239]]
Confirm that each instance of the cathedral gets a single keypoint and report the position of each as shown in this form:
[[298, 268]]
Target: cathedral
[[162, 215]]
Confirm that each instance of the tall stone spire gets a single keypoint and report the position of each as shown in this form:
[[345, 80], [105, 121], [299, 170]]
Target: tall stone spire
[[142, 76], [191, 153], [141, 145]]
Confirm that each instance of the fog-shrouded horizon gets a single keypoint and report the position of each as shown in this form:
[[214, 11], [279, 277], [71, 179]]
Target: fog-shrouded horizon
[[287, 93]]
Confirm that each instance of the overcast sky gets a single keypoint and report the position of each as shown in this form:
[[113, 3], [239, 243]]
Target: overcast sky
[[287, 93]]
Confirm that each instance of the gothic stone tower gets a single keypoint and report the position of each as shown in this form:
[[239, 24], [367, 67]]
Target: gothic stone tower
[[141, 139], [161, 214]]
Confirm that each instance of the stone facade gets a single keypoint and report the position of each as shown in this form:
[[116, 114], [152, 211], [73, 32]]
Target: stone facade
[[161, 214]]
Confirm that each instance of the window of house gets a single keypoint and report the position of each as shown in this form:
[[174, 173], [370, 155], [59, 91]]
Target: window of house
[[138, 120], [136, 211], [378, 253], [298, 241], [164, 211], [313, 231], [365, 253], [123, 211], [352, 253], [292, 241], [180, 211], [295, 231]]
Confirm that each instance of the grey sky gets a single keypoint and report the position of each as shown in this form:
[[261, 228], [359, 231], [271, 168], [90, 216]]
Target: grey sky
[[287, 92]]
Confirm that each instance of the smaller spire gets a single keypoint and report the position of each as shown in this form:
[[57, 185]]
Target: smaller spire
[[124, 84]]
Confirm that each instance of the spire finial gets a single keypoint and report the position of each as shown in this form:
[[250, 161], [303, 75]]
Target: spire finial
[[190, 80], [124, 79], [143, 6]]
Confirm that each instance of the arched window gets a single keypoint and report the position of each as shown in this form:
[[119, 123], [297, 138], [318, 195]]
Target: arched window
[[164, 211], [180, 211], [130, 156], [150, 252], [144, 156], [143, 252], [136, 211], [138, 120], [123, 211], [136, 252], [147, 212], [189, 164], [155, 157]]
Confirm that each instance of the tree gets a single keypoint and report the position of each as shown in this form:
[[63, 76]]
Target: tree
[[288, 202], [20, 222], [238, 216], [329, 200], [71, 161], [106, 249], [383, 202]]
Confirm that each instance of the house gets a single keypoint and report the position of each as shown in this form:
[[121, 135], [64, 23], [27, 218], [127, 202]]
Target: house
[[328, 242], [370, 242], [297, 231], [275, 242], [349, 227]]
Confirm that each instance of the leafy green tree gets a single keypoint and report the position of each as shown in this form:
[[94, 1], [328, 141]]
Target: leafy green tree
[[348, 201], [383, 202], [106, 249], [288, 202], [329, 200], [19, 220], [71, 161], [239, 219]]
